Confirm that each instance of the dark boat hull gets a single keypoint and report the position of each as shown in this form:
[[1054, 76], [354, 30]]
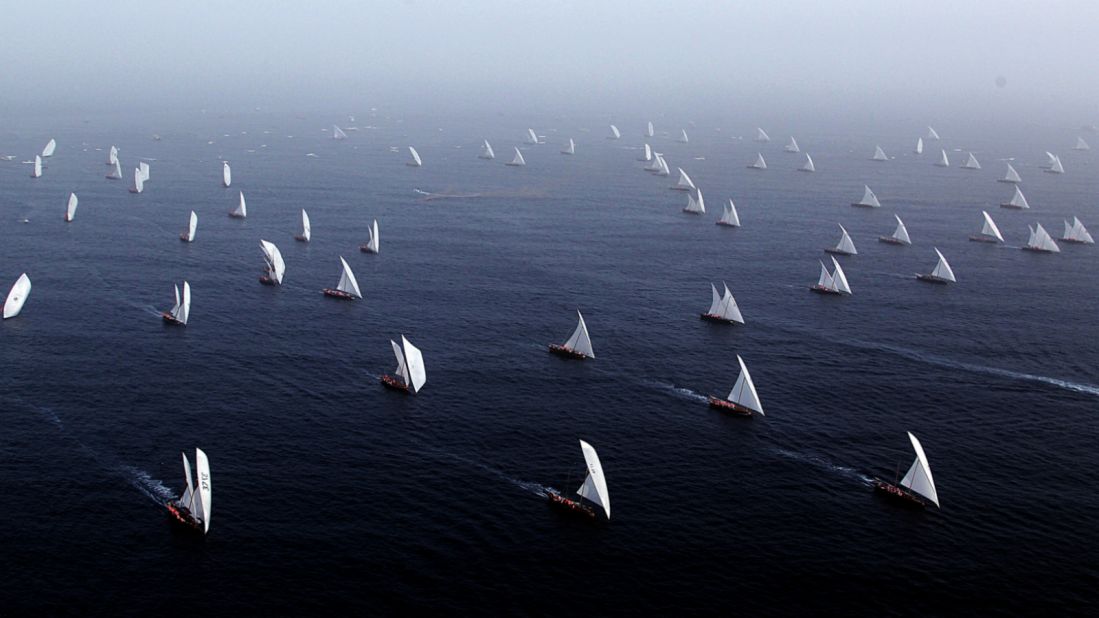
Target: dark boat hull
[[181, 518], [889, 240], [823, 290], [571, 506], [1037, 250], [366, 249], [732, 408], [834, 251], [390, 382], [561, 350], [171, 319], [724, 224], [709, 317], [987, 239], [338, 294], [931, 278], [898, 494]]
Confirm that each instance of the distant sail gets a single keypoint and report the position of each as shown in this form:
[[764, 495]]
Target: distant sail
[[570, 147], [662, 166], [373, 244], [989, 229], [615, 133], [241, 211], [971, 163], [919, 145], [1011, 175], [276, 267], [685, 183], [900, 235], [51, 147], [869, 200], [942, 273], [486, 151], [647, 154], [649, 130], [70, 210], [759, 163], [792, 145], [18, 294], [518, 160], [761, 136], [347, 283], [36, 172], [808, 165], [192, 224], [116, 171], [918, 478], [1055, 166], [181, 312], [723, 307], [144, 167], [1040, 240], [1081, 144], [683, 139], [112, 156], [845, 246], [580, 341], [932, 134], [415, 160], [744, 391], [306, 229], [840, 278], [226, 174], [879, 154], [1018, 200], [696, 205], [729, 215], [337, 133], [1077, 233], [532, 137], [139, 181], [943, 160]]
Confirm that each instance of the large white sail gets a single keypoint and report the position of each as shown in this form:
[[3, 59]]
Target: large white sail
[[727, 307], [1081, 144], [808, 165], [402, 366], [944, 161], [792, 145], [347, 282], [112, 155], [337, 133], [1011, 175], [1076, 232], [1041, 240], [36, 172], [919, 145], [50, 148], [306, 229], [70, 209], [869, 199], [615, 133], [840, 278], [879, 154], [414, 361], [685, 183], [683, 139], [971, 163], [989, 228], [595, 485], [205, 488], [580, 341], [518, 160], [486, 151], [715, 301], [761, 136], [662, 166], [144, 167], [901, 233], [932, 134], [744, 391], [226, 174], [188, 497], [646, 154], [116, 171], [759, 163], [826, 281], [729, 215], [1018, 200], [18, 294], [241, 211], [276, 267], [415, 161], [695, 203], [192, 225], [919, 478], [532, 137], [570, 147], [139, 181], [942, 269], [182, 309], [845, 246], [1055, 166], [374, 243]]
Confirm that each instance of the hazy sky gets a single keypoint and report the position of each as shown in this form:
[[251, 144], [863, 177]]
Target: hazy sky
[[341, 55]]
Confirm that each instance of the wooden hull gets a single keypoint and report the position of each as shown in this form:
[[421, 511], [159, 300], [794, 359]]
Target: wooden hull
[[1073, 241], [1009, 182], [366, 249], [171, 319], [571, 506], [561, 350], [898, 494], [727, 406], [837, 252], [861, 205], [184, 238], [393, 383], [931, 278], [234, 215], [266, 280], [987, 239], [339, 294], [819, 289], [724, 224], [692, 212], [889, 240], [709, 317], [679, 188]]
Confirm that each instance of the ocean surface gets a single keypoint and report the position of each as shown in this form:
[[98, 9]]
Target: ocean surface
[[330, 491]]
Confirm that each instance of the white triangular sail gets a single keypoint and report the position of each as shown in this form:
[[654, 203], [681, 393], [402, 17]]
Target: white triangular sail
[[414, 360], [486, 151], [570, 147], [374, 243], [879, 154], [595, 485], [662, 166], [683, 139], [116, 171], [532, 137], [37, 171], [901, 233], [792, 145], [415, 160], [942, 269], [944, 161], [1041, 240], [808, 165], [50, 148], [744, 391], [971, 163], [192, 225], [729, 215], [347, 282], [989, 228], [919, 145], [1018, 200], [1081, 144], [761, 136], [139, 181], [112, 155], [518, 160], [695, 203], [760, 163], [615, 133], [839, 278], [306, 229], [869, 198], [728, 309], [1076, 232], [18, 294], [226, 174], [337, 133], [826, 280], [242, 208], [846, 245], [647, 154], [919, 478], [649, 130], [685, 183], [144, 167], [580, 341], [1055, 166], [204, 488], [1011, 175], [182, 309], [715, 301], [932, 134], [188, 497], [402, 366], [276, 267], [70, 210]]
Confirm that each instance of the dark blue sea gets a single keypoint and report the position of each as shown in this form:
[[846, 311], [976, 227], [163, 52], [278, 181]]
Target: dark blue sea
[[330, 492]]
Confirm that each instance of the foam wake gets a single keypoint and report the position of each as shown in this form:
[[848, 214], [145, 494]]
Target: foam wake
[[681, 392], [822, 463]]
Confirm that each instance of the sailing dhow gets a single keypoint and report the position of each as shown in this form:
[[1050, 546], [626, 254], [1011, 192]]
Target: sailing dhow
[[338, 134], [695, 205], [241, 210], [1018, 200], [723, 308], [808, 165], [1055, 166], [831, 283], [1077, 233], [116, 171], [649, 130], [615, 133], [869, 200], [306, 230], [759, 163], [971, 163], [348, 287], [900, 235], [192, 509], [729, 217], [410, 374], [50, 148], [661, 166], [36, 171], [646, 154], [932, 134], [943, 160], [1081, 144], [1011, 176], [486, 151], [917, 487], [683, 137], [139, 181], [112, 155], [879, 154], [70, 210], [226, 174], [919, 145], [761, 136], [188, 235], [532, 137], [17, 295], [989, 232], [1040, 241], [685, 183], [942, 273], [181, 311], [372, 243], [415, 160], [743, 399], [518, 160], [578, 345], [593, 490], [792, 145], [274, 266], [845, 246], [570, 148]]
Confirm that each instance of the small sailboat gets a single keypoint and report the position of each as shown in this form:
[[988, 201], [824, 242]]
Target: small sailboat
[[869, 200], [649, 130], [415, 160], [274, 266], [36, 171], [615, 133], [17, 295], [919, 145], [971, 163], [410, 374], [879, 154], [743, 399], [845, 246], [1040, 241], [1011, 176], [1076, 233], [139, 181], [808, 165], [593, 490], [723, 308], [932, 134], [532, 137], [729, 217], [578, 345], [338, 134], [188, 235], [372, 243], [696, 205], [683, 139], [486, 151], [662, 166], [144, 167], [917, 488], [759, 163], [226, 174], [685, 183], [181, 311], [989, 232], [900, 235], [792, 145], [70, 210], [1018, 200], [1081, 144], [306, 230], [50, 148], [112, 155], [1055, 166], [241, 210], [116, 171], [942, 273], [943, 161], [348, 287], [518, 160], [570, 147], [193, 508], [1051, 158], [831, 283], [646, 154], [761, 136]]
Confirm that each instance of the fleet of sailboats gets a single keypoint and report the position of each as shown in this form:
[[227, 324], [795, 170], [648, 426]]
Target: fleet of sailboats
[[410, 375], [723, 307], [347, 288], [17, 296], [578, 344], [941, 274], [743, 399], [193, 509], [917, 488], [899, 236], [181, 311], [989, 232]]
